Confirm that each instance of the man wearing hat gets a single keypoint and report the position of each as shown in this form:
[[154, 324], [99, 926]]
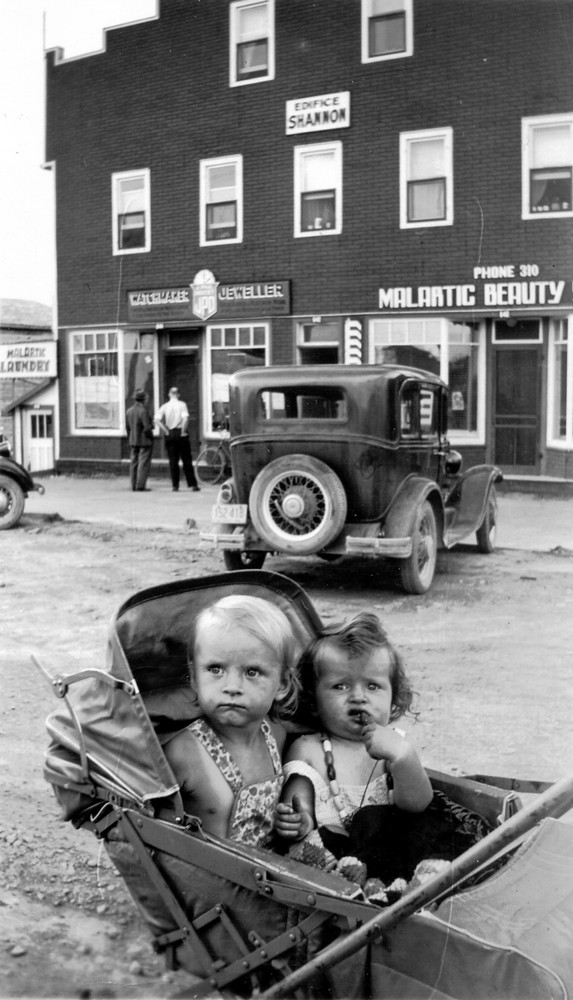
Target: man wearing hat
[[173, 418], [140, 439]]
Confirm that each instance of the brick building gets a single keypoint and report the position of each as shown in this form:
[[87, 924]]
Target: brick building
[[285, 181]]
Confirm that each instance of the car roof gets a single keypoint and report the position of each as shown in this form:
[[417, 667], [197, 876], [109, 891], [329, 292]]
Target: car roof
[[329, 374]]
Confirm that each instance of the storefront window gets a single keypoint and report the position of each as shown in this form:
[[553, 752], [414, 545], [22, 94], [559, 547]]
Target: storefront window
[[454, 351], [108, 366], [96, 381], [231, 348], [561, 386]]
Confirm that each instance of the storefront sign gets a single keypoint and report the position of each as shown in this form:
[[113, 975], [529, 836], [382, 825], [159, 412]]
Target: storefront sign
[[206, 299], [26, 360], [315, 114], [514, 287]]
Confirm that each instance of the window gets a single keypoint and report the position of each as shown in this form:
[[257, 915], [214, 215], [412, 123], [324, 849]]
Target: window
[[252, 43], [419, 412], [319, 343], [131, 215], [426, 179], [221, 200], [547, 166], [387, 29], [107, 367], [231, 348], [303, 403], [560, 385], [318, 189], [453, 350]]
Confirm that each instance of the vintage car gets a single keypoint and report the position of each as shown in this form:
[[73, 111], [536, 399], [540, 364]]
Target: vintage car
[[15, 484], [347, 459]]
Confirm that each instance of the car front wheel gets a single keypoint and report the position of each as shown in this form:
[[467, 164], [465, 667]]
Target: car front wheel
[[487, 531], [417, 571], [11, 502], [297, 504]]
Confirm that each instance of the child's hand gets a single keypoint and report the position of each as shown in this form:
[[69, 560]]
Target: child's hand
[[293, 822], [384, 743]]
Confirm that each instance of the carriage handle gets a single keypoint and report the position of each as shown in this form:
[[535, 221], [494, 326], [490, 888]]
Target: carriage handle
[[554, 802]]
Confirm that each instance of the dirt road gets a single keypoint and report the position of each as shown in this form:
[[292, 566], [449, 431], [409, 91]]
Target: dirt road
[[489, 650]]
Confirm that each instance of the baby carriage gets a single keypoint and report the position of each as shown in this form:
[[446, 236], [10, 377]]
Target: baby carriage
[[247, 921]]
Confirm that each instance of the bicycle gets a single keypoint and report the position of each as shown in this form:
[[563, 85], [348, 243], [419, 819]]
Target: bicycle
[[213, 461]]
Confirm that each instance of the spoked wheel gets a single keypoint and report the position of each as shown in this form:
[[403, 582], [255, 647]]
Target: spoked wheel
[[236, 559], [487, 531], [297, 504], [210, 466], [11, 502], [417, 571]]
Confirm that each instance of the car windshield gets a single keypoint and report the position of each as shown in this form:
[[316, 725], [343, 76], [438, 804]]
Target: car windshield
[[302, 403]]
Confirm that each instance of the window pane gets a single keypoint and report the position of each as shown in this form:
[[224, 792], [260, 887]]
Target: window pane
[[253, 20], [221, 182], [131, 230], [318, 210], [318, 171], [427, 200], [252, 59], [426, 159], [551, 145], [222, 221], [303, 404], [551, 190], [387, 34], [131, 195]]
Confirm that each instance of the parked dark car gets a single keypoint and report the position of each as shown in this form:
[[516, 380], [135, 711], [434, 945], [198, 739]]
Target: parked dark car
[[337, 460], [15, 484]]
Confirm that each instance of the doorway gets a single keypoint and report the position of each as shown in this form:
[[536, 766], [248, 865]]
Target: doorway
[[516, 409], [182, 370], [39, 440]]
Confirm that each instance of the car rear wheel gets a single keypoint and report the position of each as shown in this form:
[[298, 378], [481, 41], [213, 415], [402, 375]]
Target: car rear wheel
[[417, 571], [487, 531], [11, 502], [298, 504], [237, 559]]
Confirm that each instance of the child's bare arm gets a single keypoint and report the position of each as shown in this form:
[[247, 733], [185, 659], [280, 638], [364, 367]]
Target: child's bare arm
[[412, 788], [294, 817]]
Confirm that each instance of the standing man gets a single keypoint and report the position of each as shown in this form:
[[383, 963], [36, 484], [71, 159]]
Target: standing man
[[140, 439], [173, 418]]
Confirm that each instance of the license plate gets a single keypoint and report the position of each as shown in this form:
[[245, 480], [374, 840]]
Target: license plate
[[229, 513]]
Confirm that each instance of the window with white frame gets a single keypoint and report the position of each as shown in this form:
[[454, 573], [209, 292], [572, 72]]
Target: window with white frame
[[560, 385], [221, 194], [387, 29], [547, 166], [230, 348], [131, 213], [252, 41], [107, 366], [453, 350], [318, 189], [426, 178]]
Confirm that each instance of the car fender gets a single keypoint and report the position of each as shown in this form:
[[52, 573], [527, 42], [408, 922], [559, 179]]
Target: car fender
[[401, 517], [465, 504], [17, 472]]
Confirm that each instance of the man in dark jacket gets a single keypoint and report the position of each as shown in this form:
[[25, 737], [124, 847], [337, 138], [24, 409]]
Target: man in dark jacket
[[140, 438]]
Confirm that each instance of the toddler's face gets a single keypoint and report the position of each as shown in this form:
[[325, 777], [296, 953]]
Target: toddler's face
[[237, 677], [350, 692]]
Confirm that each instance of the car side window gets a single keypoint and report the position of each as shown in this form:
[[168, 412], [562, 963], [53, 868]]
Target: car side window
[[419, 413]]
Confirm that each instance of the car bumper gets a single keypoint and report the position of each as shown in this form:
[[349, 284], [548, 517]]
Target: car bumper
[[399, 548]]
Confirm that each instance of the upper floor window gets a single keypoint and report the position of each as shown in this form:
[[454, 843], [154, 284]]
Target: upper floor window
[[221, 200], [318, 189], [131, 213], [426, 178], [252, 44], [387, 29], [547, 166]]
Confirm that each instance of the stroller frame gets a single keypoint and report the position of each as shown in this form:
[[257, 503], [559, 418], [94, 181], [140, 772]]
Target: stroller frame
[[146, 830]]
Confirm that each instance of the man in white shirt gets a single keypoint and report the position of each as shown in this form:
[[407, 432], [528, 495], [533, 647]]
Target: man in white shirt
[[173, 419]]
